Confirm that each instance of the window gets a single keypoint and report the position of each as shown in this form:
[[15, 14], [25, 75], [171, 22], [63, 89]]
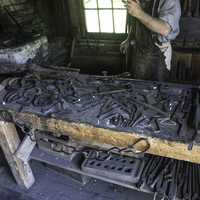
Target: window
[[105, 16]]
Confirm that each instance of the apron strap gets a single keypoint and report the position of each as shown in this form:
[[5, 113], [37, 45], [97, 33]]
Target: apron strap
[[155, 8], [155, 14]]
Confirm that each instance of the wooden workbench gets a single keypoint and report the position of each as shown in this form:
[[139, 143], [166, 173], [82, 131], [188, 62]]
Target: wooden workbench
[[31, 101]]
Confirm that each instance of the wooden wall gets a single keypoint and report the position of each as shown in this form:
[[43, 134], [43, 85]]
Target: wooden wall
[[55, 14], [3, 19], [186, 56], [8, 2]]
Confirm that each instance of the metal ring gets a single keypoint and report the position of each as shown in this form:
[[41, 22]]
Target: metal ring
[[137, 142]]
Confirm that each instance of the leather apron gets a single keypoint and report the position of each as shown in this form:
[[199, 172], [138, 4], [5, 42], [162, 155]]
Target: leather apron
[[148, 62]]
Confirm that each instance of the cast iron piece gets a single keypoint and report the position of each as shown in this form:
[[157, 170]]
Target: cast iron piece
[[114, 167]]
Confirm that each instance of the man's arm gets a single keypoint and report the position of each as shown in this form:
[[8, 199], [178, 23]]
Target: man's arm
[[154, 24]]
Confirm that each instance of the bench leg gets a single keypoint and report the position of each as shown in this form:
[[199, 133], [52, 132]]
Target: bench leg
[[9, 141]]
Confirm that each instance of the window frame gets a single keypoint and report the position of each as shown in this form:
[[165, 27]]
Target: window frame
[[101, 35]]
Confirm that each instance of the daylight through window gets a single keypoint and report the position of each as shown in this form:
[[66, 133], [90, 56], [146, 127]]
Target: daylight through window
[[105, 16]]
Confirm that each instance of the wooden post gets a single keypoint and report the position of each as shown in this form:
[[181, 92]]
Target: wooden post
[[25, 149], [10, 142]]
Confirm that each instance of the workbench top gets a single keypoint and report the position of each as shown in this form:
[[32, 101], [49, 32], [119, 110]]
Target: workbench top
[[107, 110]]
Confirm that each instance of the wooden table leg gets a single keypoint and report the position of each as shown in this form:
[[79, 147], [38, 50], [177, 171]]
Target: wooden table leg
[[9, 141]]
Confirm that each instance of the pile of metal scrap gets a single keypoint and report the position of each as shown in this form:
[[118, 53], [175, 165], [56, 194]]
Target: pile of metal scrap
[[161, 110]]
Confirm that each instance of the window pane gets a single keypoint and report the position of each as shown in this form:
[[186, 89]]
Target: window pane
[[105, 4], [92, 20], [118, 4], [120, 21], [90, 3], [106, 21]]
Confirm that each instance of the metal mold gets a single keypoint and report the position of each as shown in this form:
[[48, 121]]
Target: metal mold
[[115, 167]]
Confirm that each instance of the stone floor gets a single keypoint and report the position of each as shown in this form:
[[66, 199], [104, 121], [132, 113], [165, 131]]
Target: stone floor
[[53, 185]]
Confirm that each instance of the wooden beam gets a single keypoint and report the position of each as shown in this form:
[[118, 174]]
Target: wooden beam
[[10, 142], [105, 138]]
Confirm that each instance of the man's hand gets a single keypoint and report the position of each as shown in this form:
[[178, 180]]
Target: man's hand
[[134, 8], [154, 24]]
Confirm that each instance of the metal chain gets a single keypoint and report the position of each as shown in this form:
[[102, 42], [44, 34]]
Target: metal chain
[[27, 130], [130, 150], [96, 153]]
